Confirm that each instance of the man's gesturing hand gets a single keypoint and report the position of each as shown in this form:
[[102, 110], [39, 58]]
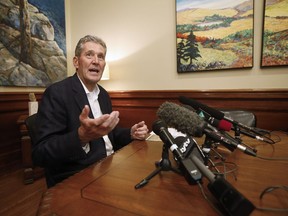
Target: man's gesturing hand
[[139, 131], [91, 129]]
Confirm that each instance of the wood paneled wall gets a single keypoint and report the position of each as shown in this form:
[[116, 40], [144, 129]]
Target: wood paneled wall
[[269, 106], [12, 105]]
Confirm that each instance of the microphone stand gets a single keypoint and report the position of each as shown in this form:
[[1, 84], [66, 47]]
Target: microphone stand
[[237, 133], [207, 147], [210, 145], [163, 165]]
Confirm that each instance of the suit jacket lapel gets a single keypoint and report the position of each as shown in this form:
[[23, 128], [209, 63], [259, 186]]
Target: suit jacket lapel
[[79, 94]]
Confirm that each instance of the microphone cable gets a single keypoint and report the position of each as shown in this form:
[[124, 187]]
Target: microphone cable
[[268, 137], [228, 168], [277, 136], [272, 143], [275, 142], [272, 159], [268, 190], [269, 140]]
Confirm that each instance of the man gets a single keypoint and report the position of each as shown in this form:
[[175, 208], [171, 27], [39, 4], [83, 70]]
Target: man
[[75, 122]]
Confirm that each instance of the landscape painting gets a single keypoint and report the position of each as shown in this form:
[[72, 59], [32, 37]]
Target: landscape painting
[[275, 34], [33, 43], [214, 34]]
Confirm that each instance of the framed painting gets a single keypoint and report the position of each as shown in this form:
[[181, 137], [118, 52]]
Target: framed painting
[[33, 43], [214, 34], [275, 34]]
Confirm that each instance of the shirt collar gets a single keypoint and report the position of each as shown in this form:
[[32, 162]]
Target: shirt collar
[[95, 91]]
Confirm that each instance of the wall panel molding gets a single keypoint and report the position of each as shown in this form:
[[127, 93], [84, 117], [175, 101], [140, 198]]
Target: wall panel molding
[[269, 106]]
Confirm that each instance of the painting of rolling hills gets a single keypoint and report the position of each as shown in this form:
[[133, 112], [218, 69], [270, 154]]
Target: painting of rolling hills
[[275, 34], [214, 35]]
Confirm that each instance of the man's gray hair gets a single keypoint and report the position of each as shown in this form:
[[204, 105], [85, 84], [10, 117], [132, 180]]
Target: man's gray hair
[[89, 38]]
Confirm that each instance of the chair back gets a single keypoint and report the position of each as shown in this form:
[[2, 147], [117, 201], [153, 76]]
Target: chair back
[[245, 117], [31, 127]]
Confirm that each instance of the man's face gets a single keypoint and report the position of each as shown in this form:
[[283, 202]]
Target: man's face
[[90, 64]]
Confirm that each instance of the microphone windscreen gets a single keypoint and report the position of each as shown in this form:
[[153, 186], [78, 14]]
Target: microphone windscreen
[[189, 107], [224, 125], [196, 105], [181, 119]]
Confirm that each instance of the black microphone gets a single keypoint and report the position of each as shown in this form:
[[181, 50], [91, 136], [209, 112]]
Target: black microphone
[[231, 200], [233, 203], [190, 123], [186, 166], [196, 105], [214, 112], [224, 125], [187, 146]]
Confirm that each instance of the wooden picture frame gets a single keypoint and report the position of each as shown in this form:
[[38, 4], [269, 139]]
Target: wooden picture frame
[[275, 34], [212, 35]]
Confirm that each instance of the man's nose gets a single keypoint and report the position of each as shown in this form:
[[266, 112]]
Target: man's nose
[[95, 60]]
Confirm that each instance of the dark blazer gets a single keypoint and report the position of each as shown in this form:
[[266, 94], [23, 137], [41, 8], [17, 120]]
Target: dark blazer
[[58, 148]]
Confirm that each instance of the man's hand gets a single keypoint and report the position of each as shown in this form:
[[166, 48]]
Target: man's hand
[[139, 131], [95, 128]]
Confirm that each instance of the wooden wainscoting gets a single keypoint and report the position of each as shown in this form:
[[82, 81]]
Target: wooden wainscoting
[[269, 106], [12, 105]]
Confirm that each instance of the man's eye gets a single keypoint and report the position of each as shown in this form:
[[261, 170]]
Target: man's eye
[[89, 55], [101, 57]]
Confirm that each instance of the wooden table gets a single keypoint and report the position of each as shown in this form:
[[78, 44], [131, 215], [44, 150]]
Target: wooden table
[[107, 188]]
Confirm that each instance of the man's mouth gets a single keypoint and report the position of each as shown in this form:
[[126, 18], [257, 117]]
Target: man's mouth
[[94, 70]]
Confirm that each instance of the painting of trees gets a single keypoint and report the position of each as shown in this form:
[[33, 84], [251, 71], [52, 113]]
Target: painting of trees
[[212, 35], [187, 50]]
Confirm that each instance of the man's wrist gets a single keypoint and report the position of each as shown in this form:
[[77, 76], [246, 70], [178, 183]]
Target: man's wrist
[[81, 135]]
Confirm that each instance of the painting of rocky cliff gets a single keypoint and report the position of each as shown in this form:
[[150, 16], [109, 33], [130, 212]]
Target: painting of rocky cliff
[[214, 34], [32, 42]]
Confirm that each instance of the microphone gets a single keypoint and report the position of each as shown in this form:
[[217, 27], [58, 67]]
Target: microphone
[[233, 203], [221, 125], [196, 105], [190, 123], [186, 146], [186, 166], [214, 112], [231, 200], [224, 125]]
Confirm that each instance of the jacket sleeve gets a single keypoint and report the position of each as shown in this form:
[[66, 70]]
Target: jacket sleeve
[[57, 137]]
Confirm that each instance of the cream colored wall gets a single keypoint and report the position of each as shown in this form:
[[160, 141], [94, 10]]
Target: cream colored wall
[[140, 35]]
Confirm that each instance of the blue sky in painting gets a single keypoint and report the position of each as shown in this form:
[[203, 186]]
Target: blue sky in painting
[[55, 11], [213, 4]]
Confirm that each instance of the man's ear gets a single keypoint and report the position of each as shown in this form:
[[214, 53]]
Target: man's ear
[[75, 62]]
